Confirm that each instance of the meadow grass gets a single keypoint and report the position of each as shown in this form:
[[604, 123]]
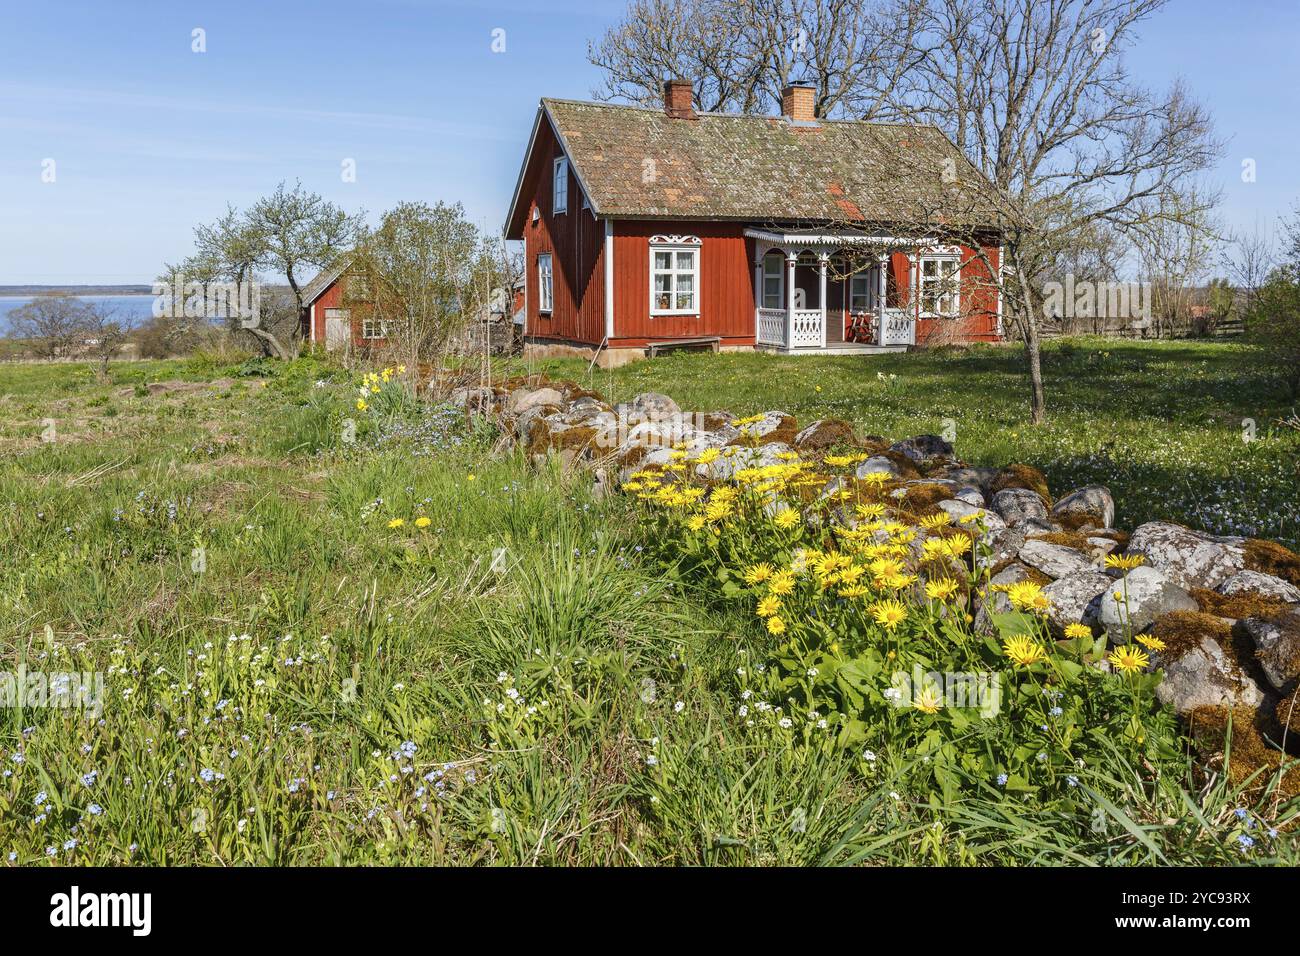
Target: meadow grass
[[293, 677]]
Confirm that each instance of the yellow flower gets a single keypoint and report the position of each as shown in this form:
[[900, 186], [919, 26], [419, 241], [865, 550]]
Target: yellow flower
[[889, 614], [1023, 651], [758, 573], [1027, 596], [940, 590], [1125, 562], [870, 510], [1128, 659], [696, 522], [423, 521], [708, 455], [471, 476], [839, 461], [877, 478], [396, 523], [632, 486], [781, 583], [853, 591], [361, 405], [717, 510], [769, 606], [775, 625], [927, 700], [930, 522], [1078, 630], [786, 518], [1151, 643]]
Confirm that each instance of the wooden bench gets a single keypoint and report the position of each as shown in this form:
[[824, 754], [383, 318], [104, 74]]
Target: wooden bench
[[712, 343]]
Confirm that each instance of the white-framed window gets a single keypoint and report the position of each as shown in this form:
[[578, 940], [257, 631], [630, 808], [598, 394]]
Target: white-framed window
[[774, 281], [560, 186], [861, 291], [675, 277], [373, 329], [939, 285], [545, 283]]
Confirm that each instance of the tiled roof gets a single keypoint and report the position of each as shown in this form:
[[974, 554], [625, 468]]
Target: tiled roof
[[314, 289], [638, 162]]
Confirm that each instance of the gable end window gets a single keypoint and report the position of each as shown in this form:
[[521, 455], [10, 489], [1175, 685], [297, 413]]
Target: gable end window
[[675, 276], [560, 186], [545, 288]]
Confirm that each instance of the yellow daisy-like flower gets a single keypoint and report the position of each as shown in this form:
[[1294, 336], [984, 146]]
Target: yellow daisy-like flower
[[1078, 630], [708, 455], [769, 606], [775, 625], [786, 519], [1023, 651], [632, 486], [870, 510], [423, 521], [361, 405], [1126, 562], [758, 573], [717, 510], [853, 591], [888, 614], [781, 583], [695, 522], [1128, 659], [1027, 596], [930, 522], [957, 545], [877, 478], [940, 590], [838, 461], [396, 523], [1151, 643], [928, 699]]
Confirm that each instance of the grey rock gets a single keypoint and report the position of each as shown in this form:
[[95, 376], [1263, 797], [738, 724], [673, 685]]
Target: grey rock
[[878, 463], [1205, 677], [476, 398], [1054, 560], [522, 399], [1076, 597], [1277, 646], [1015, 505], [1094, 501], [1188, 558], [924, 449], [1002, 545], [1149, 594], [1265, 584], [737, 458]]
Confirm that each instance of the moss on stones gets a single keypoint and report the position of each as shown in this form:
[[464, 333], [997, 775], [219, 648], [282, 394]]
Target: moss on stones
[[1022, 476], [1269, 557]]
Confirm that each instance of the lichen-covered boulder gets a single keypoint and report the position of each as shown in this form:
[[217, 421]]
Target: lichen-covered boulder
[[1021, 476], [1190, 559], [1277, 646], [879, 463], [1015, 505], [1254, 582], [478, 398], [1054, 560], [1204, 676], [1091, 506], [1002, 545], [925, 450], [824, 433], [1133, 603], [648, 406], [1075, 598], [522, 399]]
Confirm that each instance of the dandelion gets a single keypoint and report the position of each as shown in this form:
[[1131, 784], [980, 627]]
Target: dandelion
[[1128, 659], [1023, 651], [423, 521], [396, 523]]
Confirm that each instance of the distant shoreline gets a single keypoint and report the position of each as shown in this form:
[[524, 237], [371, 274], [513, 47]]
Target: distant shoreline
[[27, 291]]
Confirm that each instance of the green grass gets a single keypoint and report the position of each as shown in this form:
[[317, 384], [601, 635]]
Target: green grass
[[1160, 423], [289, 680]]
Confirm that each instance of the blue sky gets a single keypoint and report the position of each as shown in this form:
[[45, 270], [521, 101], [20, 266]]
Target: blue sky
[[150, 138]]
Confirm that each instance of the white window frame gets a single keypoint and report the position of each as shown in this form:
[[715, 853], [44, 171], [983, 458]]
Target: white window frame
[[372, 329], [779, 276], [674, 246], [560, 186], [948, 270], [545, 283], [870, 278]]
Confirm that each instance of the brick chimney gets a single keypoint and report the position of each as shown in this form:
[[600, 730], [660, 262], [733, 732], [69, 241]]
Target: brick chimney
[[798, 103], [678, 99]]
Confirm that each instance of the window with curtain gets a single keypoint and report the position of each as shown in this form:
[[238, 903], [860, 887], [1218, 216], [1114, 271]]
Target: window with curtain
[[674, 280], [545, 287], [939, 287]]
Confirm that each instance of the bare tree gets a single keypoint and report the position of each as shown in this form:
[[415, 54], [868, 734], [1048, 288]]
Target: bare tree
[[52, 324], [1248, 259], [106, 333]]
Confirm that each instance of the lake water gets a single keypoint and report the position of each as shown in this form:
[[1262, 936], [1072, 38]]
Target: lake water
[[137, 307]]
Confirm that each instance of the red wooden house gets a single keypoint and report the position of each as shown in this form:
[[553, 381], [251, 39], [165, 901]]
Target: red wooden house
[[329, 321], [791, 233]]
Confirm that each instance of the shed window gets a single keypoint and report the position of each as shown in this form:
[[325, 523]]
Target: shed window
[[560, 186]]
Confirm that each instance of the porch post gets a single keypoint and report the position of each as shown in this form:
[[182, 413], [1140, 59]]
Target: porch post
[[790, 261], [758, 296], [880, 299], [821, 291]]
